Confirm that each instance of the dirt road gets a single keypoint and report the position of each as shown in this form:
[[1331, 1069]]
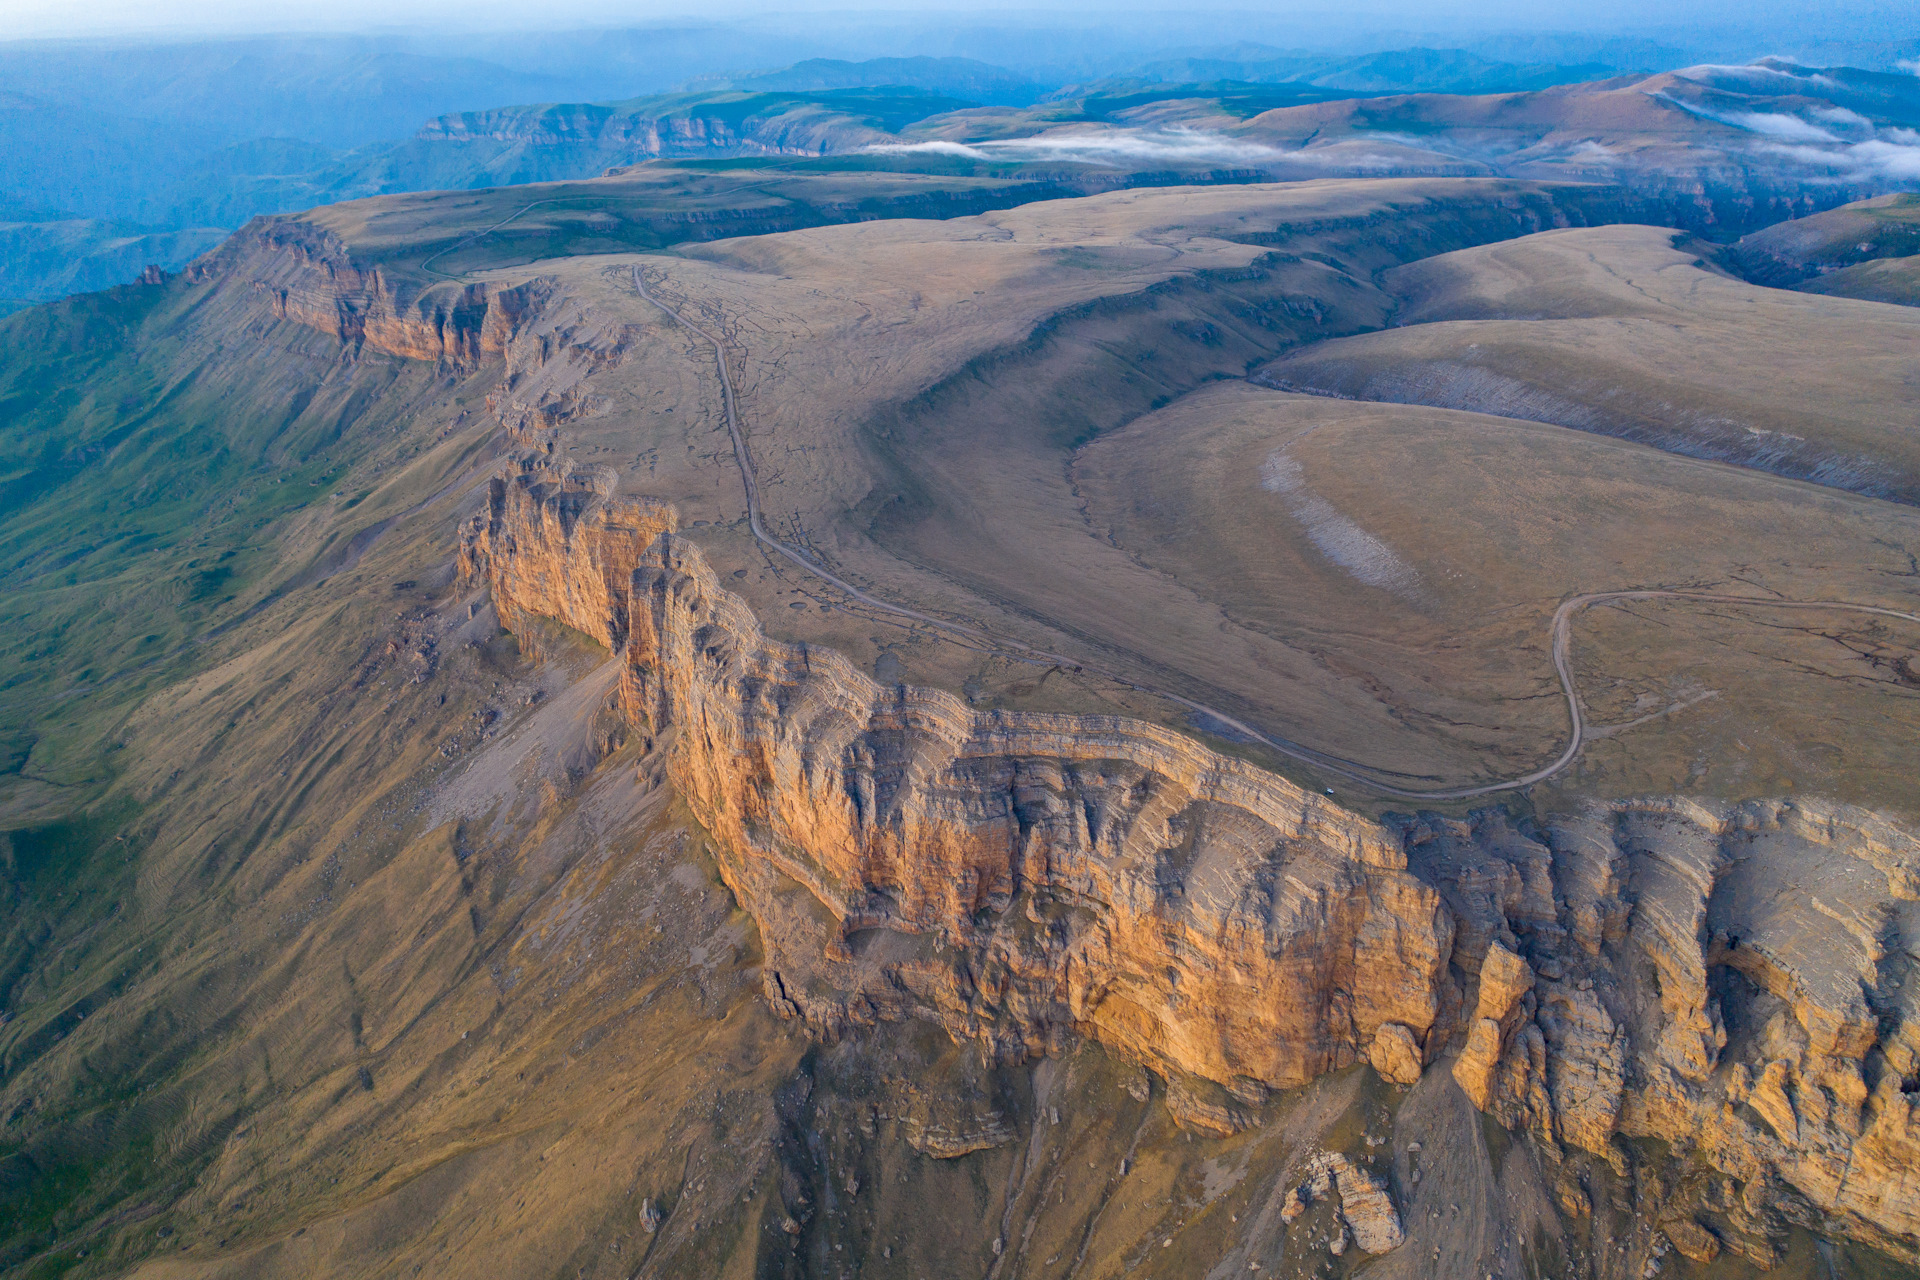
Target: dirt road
[[1351, 770]]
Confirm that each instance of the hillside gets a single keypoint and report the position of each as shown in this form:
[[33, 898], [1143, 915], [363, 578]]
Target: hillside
[[1400, 71], [1869, 250], [1756, 143], [1627, 334], [944, 714]]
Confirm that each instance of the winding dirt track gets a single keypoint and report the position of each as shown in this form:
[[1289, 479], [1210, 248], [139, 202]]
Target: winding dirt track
[[1351, 770]]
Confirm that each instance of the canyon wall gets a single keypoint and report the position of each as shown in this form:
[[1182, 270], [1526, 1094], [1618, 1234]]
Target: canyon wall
[[1734, 981]]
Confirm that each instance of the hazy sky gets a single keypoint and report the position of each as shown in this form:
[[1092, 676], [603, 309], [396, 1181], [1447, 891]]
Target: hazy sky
[[1888, 19]]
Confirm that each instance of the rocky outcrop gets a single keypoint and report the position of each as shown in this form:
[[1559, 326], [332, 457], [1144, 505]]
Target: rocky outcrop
[[1395, 1054], [1366, 1208], [552, 546], [305, 274], [1017, 878], [1505, 983], [1734, 981]]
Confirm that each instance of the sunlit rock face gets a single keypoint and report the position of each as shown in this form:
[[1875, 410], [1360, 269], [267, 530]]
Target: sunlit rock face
[[1017, 877], [1732, 980], [307, 275]]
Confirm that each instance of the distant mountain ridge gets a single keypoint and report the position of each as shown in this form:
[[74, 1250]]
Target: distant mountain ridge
[[577, 140], [734, 116], [1400, 71], [970, 78], [336, 93], [1836, 132]]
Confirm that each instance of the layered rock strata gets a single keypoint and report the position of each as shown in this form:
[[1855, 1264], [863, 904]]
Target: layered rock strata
[[1365, 1207], [307, 275], [1018, 878], [1735, 981]]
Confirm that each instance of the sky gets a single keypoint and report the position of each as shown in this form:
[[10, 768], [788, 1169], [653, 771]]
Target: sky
[[29, 19]]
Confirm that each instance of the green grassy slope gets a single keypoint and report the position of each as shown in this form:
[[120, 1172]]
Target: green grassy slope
[[152, 475]]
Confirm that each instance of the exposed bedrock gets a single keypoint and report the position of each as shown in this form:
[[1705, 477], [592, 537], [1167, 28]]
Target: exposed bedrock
[[626, 138], [1018, 878], [306, 274], [1733, 980]]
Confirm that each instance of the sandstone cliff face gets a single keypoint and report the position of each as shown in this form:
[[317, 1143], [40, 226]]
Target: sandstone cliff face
[[306, 275], [1017, 878], [1734, 982]]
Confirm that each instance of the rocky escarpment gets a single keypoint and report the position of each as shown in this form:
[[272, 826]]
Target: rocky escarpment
[[306, 274], [1735, 982], [1788, 254], [1017, 878], [617, 133]]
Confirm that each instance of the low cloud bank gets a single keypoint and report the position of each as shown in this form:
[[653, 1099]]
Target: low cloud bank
[[1771, 125], [1122, 147], [1866, 153], [1826, 140], [1863, 161], [1780, 76], [1168, 146]]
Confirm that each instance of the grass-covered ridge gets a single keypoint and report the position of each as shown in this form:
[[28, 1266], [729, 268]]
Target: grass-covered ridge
[[151, 473]]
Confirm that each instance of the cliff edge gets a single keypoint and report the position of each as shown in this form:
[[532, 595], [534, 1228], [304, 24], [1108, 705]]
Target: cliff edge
[[1729, 980]]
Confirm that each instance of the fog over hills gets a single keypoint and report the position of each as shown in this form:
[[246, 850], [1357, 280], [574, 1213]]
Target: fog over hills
[[136, 156]]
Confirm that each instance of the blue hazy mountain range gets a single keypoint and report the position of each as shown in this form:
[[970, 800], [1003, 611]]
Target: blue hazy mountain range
[[113, 156]]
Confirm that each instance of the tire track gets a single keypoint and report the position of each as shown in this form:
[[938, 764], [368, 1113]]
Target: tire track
[[1560, 632]]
